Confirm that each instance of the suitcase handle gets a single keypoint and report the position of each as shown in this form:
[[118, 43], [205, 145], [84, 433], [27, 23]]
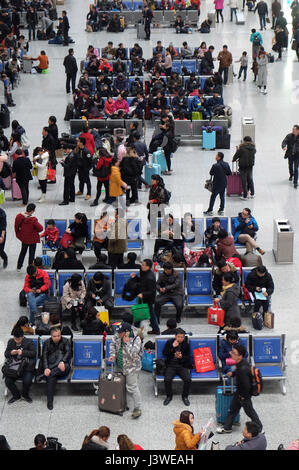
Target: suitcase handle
[[234, 167], [224, 384]]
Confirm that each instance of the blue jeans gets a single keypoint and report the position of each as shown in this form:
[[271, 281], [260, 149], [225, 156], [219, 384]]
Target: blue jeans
[[31, 27], [263, 21], [34, 302]]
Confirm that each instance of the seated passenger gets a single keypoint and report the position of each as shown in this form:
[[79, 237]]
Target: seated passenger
[[170, 289], [92, 325], [36, 286], [121, 52], [99, 292], [245, 230], [120, 85], [222, 268], [260, 280], [109, 51], [120, 105], [179, 25], [131, 262], [187, 51], [253, 439], [66, 260], [226, 346], [169, 235], [225, 245], [114, 25], [229, 298], [72, 300], [180, 105]]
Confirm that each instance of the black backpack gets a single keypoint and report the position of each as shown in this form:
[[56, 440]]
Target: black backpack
[[6, 170], [14, 368], [103, 172], [167, 196]]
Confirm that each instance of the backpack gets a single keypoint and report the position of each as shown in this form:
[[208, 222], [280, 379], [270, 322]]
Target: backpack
[[256, 41], [174, 144], [257, 381], [196, 104], [167, 196], [103, 172]]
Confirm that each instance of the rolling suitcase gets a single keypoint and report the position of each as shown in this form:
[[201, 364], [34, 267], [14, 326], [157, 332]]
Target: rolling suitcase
[[15, 190], [112, 391], [4, 116], [224, 397], [240, 18], [27, 65], [141, 31], [150, 170], [234, 183], [208, 140], [159, 158]]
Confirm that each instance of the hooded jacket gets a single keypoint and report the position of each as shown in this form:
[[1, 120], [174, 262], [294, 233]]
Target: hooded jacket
[[229, 303], [245, 155], [226, 247], [258, 442], [116, 182], [217, 280], [185, 439], [132, 353], [27, 229]]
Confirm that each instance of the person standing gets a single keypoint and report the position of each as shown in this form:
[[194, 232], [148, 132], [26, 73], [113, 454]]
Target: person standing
[[40, 160], [276, 9], [290, 145], [257, 41], [279, 43], [3, 225], [118, 239], [225, 60], [84, 162], [27, 229], [32, 21], [262, 62], [21, 168], [127, 351], [233, 8], [102, 172], [70, 167], [65, 28], [71, 69], [245, 155], [219, 172], [148, 17], [48, 143], [219, 7], [242, 396], [296, 39], [262, 9], [167, 64], [243, 65]]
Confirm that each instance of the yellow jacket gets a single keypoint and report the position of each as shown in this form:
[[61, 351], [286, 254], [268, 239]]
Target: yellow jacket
[[185, 440], [116, 182]]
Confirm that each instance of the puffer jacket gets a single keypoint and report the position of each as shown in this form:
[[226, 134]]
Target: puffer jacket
[[229, 303], [217, 279], [132, 353], [172, 283], [129, 169], [42, 166], [226, 247], [185, 439], [95, 443], [55, 353], [241, 225], [27, 229], [245, 155], [258, 442]]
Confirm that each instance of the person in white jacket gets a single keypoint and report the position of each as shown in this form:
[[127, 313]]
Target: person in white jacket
[[233, 8], [40, 160]]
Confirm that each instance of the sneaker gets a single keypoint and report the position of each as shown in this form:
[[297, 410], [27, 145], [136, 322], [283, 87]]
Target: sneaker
[[252, 196], [265, 92], [220, 212], [19, 270], [87, 197], [244, 198], [50, 406], [13, 400], [136, 413], [223, 431], [208, 213]]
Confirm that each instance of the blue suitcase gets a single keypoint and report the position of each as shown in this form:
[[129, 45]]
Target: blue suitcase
[[208, 140], [159, 158], [151, 170], [224, 397]]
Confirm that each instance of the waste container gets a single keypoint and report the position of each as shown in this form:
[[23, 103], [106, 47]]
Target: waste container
[[248, 128], [283, 241]]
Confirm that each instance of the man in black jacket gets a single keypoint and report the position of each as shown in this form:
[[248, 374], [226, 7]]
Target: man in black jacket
[[98, 292], [48, 143], [219, 172], [70, 166], [242, 396], [84, 161], [3, 225], [20, 348], [245, 155], [262, 9], [148, 17], [177, 353], [260, 280], [170, 289], [71, 69], [66, 27], [56, 361], [290, 145], [147, 292]]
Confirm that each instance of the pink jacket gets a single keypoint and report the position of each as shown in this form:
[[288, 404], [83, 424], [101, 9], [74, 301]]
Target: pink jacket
[[293, 445], [123, 104], [218, 4]]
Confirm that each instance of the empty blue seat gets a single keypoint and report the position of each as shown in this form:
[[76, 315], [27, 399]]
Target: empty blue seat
[[190, 65], [130, 99], [176, 66], [245, 272], [134, 235], [199, 286], [268, 354], [61, 224], [87, 358], [63, 276], [202, 82], [128, 5]]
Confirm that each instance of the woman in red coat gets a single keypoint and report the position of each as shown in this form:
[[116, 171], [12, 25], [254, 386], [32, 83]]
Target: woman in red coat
[[102, 171], [89, 140], [27, 229]]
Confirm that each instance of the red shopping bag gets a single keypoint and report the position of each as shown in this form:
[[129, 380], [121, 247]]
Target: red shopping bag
[[66, 240], [51, 174], [216, 315], [203, 360]]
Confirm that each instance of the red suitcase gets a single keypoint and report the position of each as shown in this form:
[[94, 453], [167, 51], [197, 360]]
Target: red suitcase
[[15, 190], [234, 183]]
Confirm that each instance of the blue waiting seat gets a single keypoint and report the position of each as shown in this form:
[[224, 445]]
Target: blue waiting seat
[[63, 276], [93, 83], [108, 341], [269, 355], [190, 65], [176, 66], [199, 287], [245, 272], [135, 242], [61, 224], [87, 359], [120, 278], [52, 277], [42, 342], [224, 222], [89, 224]]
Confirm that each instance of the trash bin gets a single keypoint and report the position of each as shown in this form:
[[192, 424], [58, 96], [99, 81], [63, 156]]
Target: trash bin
[[248, 128], [283, 241]]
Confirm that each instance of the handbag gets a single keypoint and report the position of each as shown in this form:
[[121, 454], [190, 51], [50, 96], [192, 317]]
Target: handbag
[[103, 314], [216, 315], [51, 174], [140, 311], [34, 171], [14, 368], [257, 321], [160, 367], [22, 299], [147, 362], [66, 240], [269, 320], [209, 185], [25, 141], [203, 360]]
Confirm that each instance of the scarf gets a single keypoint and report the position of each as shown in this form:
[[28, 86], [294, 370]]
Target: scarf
[[119, 360], [225, 289]]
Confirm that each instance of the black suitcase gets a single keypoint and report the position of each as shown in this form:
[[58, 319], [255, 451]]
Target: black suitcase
[[69, 112], [53, 14], [112, 391], [4, 116]]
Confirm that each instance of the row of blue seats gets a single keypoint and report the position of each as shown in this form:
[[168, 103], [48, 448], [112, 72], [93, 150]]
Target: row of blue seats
[[268, 353], [196, 282], [165, 17], [134, 233], [77, 125]]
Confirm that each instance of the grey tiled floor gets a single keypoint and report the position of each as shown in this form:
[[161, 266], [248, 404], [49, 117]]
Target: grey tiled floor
[[38, 97]]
